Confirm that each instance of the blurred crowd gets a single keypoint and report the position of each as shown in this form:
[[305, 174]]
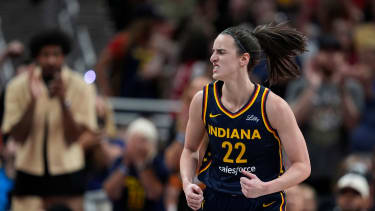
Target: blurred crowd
[[61, 148]]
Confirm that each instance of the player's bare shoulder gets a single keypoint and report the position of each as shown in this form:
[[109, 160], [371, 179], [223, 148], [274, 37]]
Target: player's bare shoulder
[[277, 109], [197, 99]]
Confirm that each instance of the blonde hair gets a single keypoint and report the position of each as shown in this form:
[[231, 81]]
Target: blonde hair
[[147, 129]]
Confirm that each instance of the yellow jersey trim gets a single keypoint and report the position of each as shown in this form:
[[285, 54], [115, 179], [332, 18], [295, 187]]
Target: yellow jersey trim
[[205, 168], [282, 201], [205, 104], [270, 129], [243, 110]]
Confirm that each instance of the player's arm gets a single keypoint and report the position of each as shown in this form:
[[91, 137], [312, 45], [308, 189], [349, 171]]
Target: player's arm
[[190, 154], [282, 119], [193, 137]]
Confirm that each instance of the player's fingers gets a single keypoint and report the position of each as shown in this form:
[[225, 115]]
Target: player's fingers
[[244, 191], [245, 181], [246, 188], [249, 175], [194, 200], [195, 205], [197, 189], [194, 196]]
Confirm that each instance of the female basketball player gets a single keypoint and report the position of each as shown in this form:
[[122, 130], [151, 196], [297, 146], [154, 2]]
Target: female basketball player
[[248, 126]]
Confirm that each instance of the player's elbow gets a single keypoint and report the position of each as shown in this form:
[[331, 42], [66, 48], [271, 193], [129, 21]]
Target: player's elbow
[[303, 169], [306, 170]]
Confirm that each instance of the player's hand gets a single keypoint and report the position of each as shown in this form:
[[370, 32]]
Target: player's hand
[[252, 186], [194, 196]]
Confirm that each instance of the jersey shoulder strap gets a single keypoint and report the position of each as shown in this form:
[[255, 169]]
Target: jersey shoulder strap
[[207, 91]]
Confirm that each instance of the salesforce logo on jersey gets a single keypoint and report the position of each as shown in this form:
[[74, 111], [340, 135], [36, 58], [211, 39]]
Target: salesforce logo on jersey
[[236, 170]]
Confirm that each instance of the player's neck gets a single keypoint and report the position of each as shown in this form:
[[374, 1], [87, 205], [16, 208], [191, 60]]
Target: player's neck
[[237, 92]]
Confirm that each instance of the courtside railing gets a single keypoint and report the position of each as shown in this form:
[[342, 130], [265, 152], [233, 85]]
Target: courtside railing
[[160, 111]]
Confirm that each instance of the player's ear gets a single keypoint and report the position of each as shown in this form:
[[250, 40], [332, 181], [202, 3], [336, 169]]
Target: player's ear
[[245, 58]]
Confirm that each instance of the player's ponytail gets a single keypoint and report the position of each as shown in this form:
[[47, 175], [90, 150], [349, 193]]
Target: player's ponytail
[[280, 44]]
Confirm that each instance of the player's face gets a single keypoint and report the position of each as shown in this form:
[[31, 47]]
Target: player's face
[[224, 58]]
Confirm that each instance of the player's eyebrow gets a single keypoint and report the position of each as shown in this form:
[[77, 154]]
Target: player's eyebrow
[[221, 50]]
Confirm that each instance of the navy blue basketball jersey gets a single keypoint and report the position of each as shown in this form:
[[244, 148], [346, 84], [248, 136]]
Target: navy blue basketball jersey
[[243, 140]]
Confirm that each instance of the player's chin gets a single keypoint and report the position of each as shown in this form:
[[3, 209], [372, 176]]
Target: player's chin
[[216, 76]]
